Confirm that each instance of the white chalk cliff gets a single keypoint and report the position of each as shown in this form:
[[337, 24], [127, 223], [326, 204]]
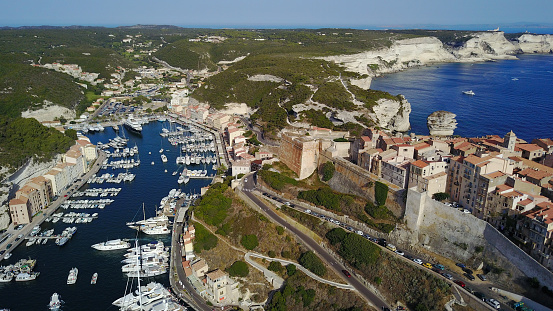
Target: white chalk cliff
[[403, 54], [392, 114], [441, 123]]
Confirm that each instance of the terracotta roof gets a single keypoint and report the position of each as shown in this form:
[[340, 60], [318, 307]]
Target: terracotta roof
[[421, 146], [22, 200], [464, 146], [525, 202], [503, 187], [529, 147], [543, 213], [216, 274], [199, 264], [535, 174], [365, 138], [420, 164], [495, 174], [546, 141]]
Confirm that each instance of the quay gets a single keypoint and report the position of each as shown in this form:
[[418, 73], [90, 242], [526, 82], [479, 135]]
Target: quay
[[39, 218]]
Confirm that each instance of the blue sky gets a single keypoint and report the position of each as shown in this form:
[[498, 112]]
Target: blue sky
[[275, 13]]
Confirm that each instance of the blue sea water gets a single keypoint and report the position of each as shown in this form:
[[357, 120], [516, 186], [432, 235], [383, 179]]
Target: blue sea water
[[54, 262], [510, 95]]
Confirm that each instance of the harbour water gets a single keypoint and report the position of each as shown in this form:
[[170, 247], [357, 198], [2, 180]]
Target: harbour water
[[509, 95], [54, 262]]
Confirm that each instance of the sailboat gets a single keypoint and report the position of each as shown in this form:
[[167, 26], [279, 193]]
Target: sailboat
[[153, 225]]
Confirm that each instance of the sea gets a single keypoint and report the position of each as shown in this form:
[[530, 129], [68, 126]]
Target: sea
[[151, 184], [509, 95]]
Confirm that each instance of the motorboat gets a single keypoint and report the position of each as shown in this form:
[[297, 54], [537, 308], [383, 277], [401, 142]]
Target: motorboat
[[469, 92], [111, 245], [55, 302], [6, 277], [153, 230], [94, 278], [7, 256], [133, 125], [163, 158], [72, 278], [26, 276]]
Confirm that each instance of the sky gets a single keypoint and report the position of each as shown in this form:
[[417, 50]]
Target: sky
[[275, 13]]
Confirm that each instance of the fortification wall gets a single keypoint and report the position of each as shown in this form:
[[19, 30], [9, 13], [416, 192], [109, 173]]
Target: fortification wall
[[453, 234], [352, 179]]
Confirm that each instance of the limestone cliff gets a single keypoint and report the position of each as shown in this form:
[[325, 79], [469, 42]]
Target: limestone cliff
[[441, 123], [403, 54], [392, 114]]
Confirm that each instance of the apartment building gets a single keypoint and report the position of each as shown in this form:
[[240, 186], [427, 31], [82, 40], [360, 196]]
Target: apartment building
[[535, 232]]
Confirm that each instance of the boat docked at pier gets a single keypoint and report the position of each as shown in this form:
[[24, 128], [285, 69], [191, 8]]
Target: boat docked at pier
[[111, 245], [133, 125], [72, 277], [26, 276]]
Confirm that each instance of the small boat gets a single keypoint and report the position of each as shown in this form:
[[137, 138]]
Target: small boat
[[22, 277], [163, 158], [469, 92], [94, 278], [7, 256], [514, 79], [72, 278], [152, 162], [55, 302], [165, 171]]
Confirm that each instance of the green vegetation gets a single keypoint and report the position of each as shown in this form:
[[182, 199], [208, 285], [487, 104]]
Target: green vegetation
[[370, 97], [334, 94], [280, 230], [358, 251], [249, 241], [312, 263], [380, 192], [275, 266], [22, 139], [326, 197], [317, 118], [204, 239], [290, 269], [479, 249], [378, 212], [214, 206], [440, 196], [276, 180], [328, 170], [238, 269]]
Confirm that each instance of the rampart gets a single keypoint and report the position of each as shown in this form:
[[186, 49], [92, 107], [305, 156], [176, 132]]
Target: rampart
[[451, 233]]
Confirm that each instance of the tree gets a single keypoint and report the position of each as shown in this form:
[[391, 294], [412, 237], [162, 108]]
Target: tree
[[312, 263], [328, 170], [440, 196], [290, 269], [239, 269], [275, 266], [380, 193], [336, 235], [249, 241]]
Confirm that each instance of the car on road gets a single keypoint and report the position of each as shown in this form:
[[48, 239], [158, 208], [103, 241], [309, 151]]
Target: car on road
[[382, 242], [400, 252], [391, 247], [467, 270], [19, 237], [494, 303], [480, 296], [308, 211], [448, 276], [19, 227], [466, 211], [2, 252], [460, 265], [427, 265], [469, 276], [416, 260], [481, 277], [439, 266], [460, 283], [9, 246], [245, 180], [346, 273]]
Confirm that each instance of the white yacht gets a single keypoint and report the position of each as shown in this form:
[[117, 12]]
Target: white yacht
[[6, 277], [111, 245], [157, 220], [55, 302], [131, 298], [22, 277], [469, 92], [72, 278], [133, 125], [163, 158], [94, 278], [161, 229]]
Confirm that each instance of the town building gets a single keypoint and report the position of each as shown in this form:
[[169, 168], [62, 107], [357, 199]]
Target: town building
[[240, 167], [20, 211], [534, 230], [428, 176], [220, 288]]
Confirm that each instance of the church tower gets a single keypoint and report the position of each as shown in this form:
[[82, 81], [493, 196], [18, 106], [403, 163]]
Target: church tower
[[509, 141]]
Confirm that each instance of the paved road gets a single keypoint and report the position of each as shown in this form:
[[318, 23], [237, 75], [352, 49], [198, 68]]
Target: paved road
[[309, 273], [369, 296], [182, 287]]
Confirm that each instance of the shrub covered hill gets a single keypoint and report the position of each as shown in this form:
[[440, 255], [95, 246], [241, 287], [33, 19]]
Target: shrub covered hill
[[279, 73]]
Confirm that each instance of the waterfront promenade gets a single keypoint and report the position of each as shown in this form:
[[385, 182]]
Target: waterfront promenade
[[54, 205]]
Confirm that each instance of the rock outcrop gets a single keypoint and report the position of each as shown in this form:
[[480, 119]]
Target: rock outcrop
[[486, 45], [392, 114], [441, 123], [536, 43]]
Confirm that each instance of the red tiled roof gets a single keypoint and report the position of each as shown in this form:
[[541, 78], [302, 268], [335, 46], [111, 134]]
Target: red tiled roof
[[529, 147], [421, 146], [525, 202], [534, 174], [420, 164], [495, 174]]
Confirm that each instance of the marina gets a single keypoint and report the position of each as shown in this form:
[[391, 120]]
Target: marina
[[110, 214]]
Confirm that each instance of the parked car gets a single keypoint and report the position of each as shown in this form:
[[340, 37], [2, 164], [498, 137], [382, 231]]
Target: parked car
[[346, 273], [427, 265], [494, 303], [470, 290], [460, 265], [9, 246], [467, 270], [439, 266], [460, 283], [391, 247], [400, 252], [382, 242], [2, 252], [416, 260], [482, 277], [480, 296], [469, 276], [448, 276]]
